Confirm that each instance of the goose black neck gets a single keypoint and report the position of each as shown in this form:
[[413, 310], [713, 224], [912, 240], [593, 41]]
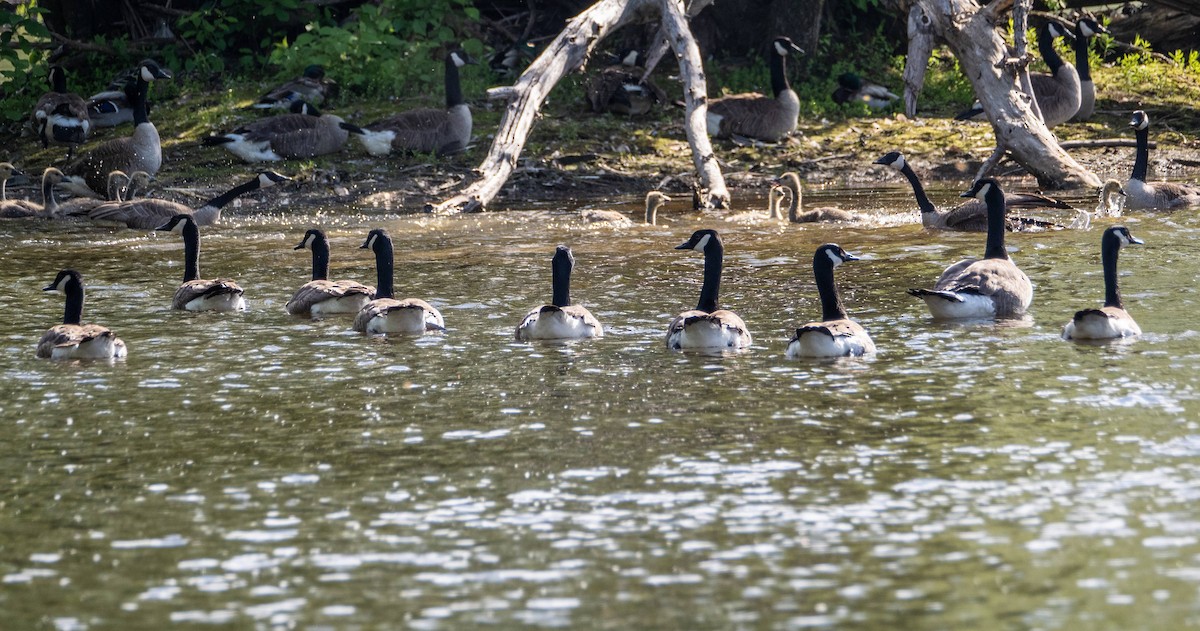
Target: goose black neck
[[1109, 249], [1141, 163], [831, 303], [923, 202], [191, 252], [714, 255], [73, 312], [224, 198], [1081, 55], [779, 81], [140, 91], [384, 269], [1046, 48], [453, 86], [995, 233], [58, 81], [320, 259], [561, 269]]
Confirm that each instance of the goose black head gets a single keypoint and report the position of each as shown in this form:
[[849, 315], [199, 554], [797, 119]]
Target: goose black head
[[267, 179], [1139, 121], [563, 256], [894, 159], [981, 188], [461, 58], [149, 70], [1123, 236], [177, 223], [834, 253], [64, 279], [1088, 27], [1057, 30], [700, 241], [315, 71], [375, 238], [784, 47], [310, 237]]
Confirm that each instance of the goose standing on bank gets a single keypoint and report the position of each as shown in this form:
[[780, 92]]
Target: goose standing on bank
[[1085, 29], [1059, 93], [559, 320], [991, 287], [61, 117], [197, 294], [303, 133], [322, 296], [755, 115], [72, 339], [791, 182], [140, 151], [836, 335], [149, 214], [707, 326], [385, 314], [311, 87], [1110, 321], [426, 130], [971, 216], [654, 201], [1140, 194], [22, 209]]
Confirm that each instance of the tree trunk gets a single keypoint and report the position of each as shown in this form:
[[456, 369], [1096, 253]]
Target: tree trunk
[[971, 33], [567, 53]]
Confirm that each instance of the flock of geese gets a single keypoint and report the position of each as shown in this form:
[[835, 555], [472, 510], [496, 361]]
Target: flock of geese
[[107, 179]]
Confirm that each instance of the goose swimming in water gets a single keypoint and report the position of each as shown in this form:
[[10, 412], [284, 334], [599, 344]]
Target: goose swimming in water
[[707, 326], [1112, 320], [72, 339], [654, 201], [197, 294], [385, 314], [991, 287], [559, 320], [322, 296], [791, 182], [836, 335]]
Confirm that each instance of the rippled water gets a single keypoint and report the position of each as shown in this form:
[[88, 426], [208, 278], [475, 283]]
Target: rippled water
[[259, 469]]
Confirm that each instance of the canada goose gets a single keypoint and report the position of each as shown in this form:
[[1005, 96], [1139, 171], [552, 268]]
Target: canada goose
[[196, 294], [619, 89], [775, 196], [1112, 320], [1085, 29], [707, 326], [836, 335], [1112, 199], [385, 314], [654, 201], [559, 320], [140, 151], [992, 287], [149, 214], [971, 216], [61, 117], [311, 87], [21, 209], [426, 130], [506, 61], [303, 133], [76, 206], [1159, 195], [791, 182], [322, 296], [757, 116], [1058, 94], [854, 89], [71, 339]]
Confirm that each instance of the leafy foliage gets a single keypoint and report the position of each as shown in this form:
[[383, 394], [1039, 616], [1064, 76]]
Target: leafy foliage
[[22, 61]]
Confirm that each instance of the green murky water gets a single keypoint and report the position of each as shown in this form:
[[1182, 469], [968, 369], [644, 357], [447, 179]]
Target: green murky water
[[263, 470]]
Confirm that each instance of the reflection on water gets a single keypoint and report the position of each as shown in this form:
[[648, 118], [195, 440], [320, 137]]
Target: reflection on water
[[261, 469]]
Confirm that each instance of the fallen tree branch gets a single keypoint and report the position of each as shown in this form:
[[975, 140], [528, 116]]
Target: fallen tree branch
[[1104, 142]]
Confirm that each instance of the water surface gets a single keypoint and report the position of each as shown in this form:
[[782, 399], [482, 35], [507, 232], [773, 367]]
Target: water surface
[[258, 469]]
